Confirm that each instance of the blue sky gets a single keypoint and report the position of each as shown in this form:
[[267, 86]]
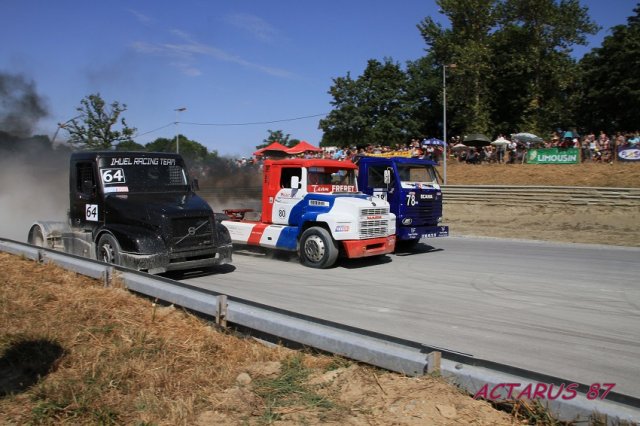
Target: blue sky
[[226, 62]]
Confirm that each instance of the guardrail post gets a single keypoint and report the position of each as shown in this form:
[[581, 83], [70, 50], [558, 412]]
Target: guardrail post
[[433, 362], [221, 311]]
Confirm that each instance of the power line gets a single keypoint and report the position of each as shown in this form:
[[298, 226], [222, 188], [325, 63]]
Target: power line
[[137, 135], [256, 122]]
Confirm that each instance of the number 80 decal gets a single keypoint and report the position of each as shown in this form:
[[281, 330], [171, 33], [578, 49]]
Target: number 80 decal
[[91, 212]]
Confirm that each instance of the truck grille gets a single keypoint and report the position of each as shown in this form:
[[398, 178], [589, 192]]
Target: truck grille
[[372, 211], [374, 222], [191, 233], [424, 214]]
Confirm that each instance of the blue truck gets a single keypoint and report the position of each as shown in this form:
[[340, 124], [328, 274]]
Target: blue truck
[[412, 189]]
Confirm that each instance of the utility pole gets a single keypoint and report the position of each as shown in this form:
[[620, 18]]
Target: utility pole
[[444, 119], [178, 110]]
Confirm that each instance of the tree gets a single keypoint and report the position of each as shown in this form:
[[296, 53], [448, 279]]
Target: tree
[[610, 87], [533, 72], [94, 128], [467, 44], [514, 69], [192, 151], [424, 97], [374, 109], [346, 124], [130, 146], [278, 136]]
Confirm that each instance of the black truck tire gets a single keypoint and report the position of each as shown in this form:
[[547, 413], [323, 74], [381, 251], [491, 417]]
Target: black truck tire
[[108, 249], [317, 248], [407, 244]]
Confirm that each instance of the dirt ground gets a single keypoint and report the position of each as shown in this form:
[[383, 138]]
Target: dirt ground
[[580, 224], [576, 224], [615, 175]]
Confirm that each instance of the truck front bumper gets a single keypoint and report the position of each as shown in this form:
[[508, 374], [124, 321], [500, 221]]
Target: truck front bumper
[[369, 247], [417, 232], [163, 262]]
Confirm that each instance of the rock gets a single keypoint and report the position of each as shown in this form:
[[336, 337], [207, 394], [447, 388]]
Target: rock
[[264, 369], [326, 378], [447, 411], [243, 379]]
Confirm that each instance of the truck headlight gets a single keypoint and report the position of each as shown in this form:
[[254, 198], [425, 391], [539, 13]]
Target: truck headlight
[[439, 219]]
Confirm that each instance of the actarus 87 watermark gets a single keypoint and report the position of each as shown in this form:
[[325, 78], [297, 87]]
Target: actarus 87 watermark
[[510, 391]]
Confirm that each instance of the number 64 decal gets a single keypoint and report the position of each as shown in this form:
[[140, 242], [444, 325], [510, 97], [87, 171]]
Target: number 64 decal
[[91, 212]]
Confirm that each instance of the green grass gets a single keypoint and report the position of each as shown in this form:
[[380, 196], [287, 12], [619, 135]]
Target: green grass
[[288, 391]]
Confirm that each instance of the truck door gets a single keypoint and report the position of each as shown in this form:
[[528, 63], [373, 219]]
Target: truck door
[[291, 193], [376, 184], [86, 210]]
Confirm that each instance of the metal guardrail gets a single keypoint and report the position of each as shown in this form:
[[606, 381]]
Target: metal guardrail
[[493, 194], [394, 354], [518, 195]]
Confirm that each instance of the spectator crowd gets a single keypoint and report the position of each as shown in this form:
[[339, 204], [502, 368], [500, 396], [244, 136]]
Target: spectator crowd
[[601, 148]]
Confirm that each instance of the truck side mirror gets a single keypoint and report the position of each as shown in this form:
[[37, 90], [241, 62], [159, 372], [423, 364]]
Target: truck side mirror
[[387, 176], [295, 182]]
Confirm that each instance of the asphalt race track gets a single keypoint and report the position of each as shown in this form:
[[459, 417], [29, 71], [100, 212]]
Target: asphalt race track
[[568, 310]]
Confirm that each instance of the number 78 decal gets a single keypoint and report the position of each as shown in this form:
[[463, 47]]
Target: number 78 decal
[[411, 199]]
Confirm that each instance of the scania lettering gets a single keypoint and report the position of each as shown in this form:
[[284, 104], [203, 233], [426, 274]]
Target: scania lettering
[[313, 206], [137, 210]]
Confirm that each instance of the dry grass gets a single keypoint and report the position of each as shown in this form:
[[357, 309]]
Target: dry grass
[[74, 352], [617, 175], [125, 359]]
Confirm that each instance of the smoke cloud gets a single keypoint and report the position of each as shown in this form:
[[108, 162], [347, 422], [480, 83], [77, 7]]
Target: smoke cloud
[[20, 105], [34, 176], [34, 184]]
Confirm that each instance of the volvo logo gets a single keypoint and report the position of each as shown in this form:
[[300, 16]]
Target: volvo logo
[[191, 231]]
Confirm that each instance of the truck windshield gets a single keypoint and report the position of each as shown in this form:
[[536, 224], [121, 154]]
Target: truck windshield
[[142, 175], [324, 179], [412, 174]]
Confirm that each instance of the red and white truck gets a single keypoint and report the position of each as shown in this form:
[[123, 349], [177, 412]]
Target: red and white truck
[[313, 206]]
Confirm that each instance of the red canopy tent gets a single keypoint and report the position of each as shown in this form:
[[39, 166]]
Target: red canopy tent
[[303, 146], [274, 148]]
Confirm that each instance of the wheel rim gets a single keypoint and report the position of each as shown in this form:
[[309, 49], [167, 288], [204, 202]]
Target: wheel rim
[[107, 252], [314, 248]]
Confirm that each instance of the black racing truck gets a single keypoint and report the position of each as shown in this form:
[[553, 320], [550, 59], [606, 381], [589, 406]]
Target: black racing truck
[[138, 210]]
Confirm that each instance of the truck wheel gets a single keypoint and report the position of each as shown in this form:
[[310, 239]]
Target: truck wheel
[[408, 244], [36, 236], [108, 249], [317, 248]]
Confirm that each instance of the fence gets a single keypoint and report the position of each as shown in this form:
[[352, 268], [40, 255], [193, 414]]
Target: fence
[[519, 195], [492, 194]]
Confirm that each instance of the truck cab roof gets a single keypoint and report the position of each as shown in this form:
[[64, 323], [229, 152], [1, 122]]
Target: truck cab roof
[[398, 160], [92, 155], [312, 162]]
